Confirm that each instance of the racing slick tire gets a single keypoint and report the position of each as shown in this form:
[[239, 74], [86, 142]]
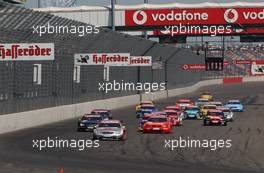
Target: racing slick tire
[[123, 137], [224, 124], [95, 137], [206, 123]]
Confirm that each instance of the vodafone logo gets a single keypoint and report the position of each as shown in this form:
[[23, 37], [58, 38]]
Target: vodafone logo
[[140, 17], [185, 67], [231, 15]]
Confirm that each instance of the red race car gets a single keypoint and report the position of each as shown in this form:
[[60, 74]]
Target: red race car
[[157, 124], [183, 103], [173, 107], [175, 117], [215, 117]]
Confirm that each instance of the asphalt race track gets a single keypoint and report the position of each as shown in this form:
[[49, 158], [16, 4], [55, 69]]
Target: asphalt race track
[[146, 152]]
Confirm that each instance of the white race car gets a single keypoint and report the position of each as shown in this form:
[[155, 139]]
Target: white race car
[[110, 129]]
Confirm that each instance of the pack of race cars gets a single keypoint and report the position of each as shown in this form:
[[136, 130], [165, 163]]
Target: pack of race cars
[[152, 120], [205, 108]]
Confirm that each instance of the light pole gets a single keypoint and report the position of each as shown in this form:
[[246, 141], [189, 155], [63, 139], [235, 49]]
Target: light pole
[[146, 32], [113, 2]]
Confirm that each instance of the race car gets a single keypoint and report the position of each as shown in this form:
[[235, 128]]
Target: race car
[[205, 108], [215, 117], [235, 105], [106, 114], [183, 103], [175, 117], [145, 109], [110, 129], [173, 107], [207, 95], [143, 103], [159, 123], [219, 105], [192, 112], [145, 118], [229, 115], [200, 102], [88, 122]]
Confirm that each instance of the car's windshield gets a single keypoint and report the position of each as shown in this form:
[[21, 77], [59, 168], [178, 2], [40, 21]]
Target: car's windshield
[[234, 102], [109, 125], [226, 111], [192, 109], [100, 112], [202, 101], [157, 119], [209, 107], [92, 118], [147, 107], [184, 102], [176, 109], [172, 113], [215, 114]]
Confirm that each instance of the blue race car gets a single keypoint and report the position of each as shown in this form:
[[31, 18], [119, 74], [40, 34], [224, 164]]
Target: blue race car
[[235, 105], [146, 109], [88, 122], [192, 112]]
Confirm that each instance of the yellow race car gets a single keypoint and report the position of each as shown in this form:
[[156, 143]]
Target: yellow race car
[[138, 106], [205, 108], [207, 95]]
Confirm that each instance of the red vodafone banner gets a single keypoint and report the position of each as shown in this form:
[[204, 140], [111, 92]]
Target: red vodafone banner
[[191, 16], [193, 67], [198, 66], [257, 68], [238, 62]]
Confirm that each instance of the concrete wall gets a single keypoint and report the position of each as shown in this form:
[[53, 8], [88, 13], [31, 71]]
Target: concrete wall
[[18, 121]]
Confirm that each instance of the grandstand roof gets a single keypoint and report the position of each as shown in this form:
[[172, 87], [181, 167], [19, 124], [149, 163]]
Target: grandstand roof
[[154, 6]]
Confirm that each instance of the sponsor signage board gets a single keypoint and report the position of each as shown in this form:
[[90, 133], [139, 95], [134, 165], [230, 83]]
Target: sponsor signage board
[[112, 59], [198, 66], [107, 59], [257, 68], [243, 62], [140, 61], [194, 16], [26, 51]]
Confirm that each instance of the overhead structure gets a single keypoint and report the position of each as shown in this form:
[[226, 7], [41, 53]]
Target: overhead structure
[[176, 20], [16, 1]]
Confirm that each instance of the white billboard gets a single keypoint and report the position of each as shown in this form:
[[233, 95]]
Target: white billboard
[[112, 59], [26, 51], [107, 59], [140, 61], [257, 68]]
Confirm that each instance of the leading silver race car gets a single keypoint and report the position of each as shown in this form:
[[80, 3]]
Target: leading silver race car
[[110, 129]]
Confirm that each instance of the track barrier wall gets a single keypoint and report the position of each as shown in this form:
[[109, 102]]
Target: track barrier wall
[[14, 122]]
